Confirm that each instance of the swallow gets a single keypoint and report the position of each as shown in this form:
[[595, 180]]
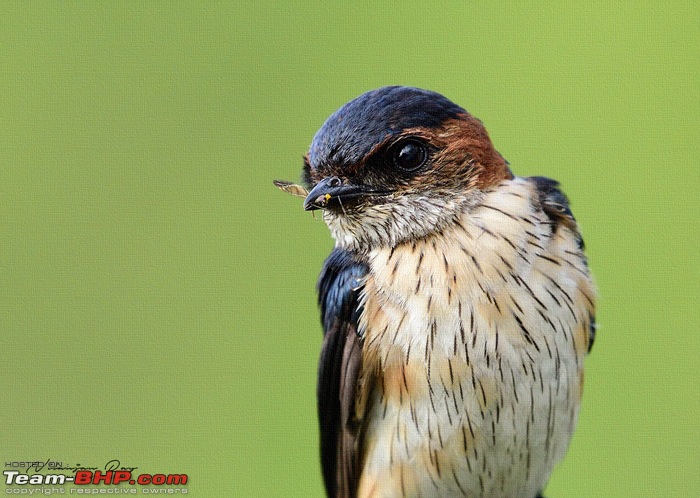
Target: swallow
[[457, 305]]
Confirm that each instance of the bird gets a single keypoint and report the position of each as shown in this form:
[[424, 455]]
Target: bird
[[457, 305]]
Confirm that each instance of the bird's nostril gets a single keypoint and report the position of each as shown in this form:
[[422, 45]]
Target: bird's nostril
[[335, 182]]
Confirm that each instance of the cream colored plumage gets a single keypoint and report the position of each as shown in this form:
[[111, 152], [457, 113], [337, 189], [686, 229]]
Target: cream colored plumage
[[475, 338]]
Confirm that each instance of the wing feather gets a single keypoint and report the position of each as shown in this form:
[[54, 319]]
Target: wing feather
[[339, 369], [556, 206]]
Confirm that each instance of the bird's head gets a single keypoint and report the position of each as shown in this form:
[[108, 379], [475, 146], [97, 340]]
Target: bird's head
[[397, 164]]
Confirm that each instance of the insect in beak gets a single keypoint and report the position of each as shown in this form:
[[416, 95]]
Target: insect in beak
[[291, 188]]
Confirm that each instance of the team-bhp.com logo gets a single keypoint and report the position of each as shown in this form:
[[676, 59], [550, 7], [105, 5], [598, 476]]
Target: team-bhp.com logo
[[51, 477], [97, 477]]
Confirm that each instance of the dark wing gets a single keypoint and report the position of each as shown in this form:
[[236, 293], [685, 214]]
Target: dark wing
[[556, 206], [553, 202], [339, 367]]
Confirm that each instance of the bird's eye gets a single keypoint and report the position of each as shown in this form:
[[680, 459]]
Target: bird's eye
[[409, 155]]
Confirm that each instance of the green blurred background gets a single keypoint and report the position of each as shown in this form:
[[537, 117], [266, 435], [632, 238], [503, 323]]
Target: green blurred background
[[157, 299]]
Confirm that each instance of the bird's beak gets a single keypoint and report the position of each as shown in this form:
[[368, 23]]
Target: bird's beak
[[332, 193]]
